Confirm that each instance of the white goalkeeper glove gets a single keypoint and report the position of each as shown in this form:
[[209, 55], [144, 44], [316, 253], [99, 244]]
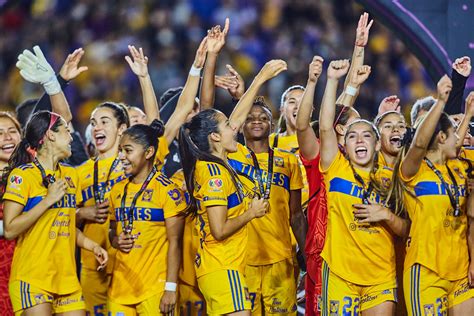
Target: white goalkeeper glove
[[36, 69]]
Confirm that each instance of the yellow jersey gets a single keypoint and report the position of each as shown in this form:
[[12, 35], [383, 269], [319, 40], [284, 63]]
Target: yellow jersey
[[162, 152], [270, 235], [45, 254], [290, 143], [361, 253], [95, 231], [437, 239], [187, 274], [141, 273], [214, 186]]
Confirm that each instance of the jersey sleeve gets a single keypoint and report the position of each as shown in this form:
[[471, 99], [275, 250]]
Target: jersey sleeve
[[339, 164], [174, 201], [163, 150], [18, 187], [214, 185], [296, 177]]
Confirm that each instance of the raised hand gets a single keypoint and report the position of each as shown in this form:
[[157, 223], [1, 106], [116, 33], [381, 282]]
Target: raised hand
[[216, 37], [139, 65], [200, 58], [338, 68], [271, 69], [315, 68], [232, 82], [363, 28], [390, 103], [470, 104], [36, 69], [463, 66], [444, 88], [70, 68], [360, 75]]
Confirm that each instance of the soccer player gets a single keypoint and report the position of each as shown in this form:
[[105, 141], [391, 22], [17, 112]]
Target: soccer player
[[9, 139], [217, 200], [109, 120], [316, 212], [277, 178], [359, 256], [40, 204], [437, 275], [146, 228]]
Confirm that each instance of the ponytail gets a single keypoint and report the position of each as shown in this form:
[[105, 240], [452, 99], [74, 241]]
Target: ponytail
[[193, 146]]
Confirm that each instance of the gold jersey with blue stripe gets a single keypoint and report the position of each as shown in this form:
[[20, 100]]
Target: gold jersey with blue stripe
[[361, 253], [141, 273], [45, 253], [437, 238], [98, 232], [270, 235], [213, 187]]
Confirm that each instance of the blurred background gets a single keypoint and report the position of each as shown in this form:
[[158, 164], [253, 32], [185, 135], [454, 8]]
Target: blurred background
[[169, 32]]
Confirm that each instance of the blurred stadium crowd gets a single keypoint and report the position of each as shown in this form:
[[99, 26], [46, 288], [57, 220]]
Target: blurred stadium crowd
[[168, 30]]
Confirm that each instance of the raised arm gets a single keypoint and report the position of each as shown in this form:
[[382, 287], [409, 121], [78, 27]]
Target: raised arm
[[362, 37], [357, 78], [466, 119], [188, 95], [69, 71], [470, 236], [307, 140], [36, 69], [412, 161], [459, 76], [269, 70], [139, 66], [327, 135], [215, 42]]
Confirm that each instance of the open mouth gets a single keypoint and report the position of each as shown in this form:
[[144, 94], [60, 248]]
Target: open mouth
[[294, 114], [396, 141], [99, 139], [361, 152], [8, 148]]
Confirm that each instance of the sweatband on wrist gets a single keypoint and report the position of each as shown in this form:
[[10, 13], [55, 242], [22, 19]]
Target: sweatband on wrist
[[352, 91], [195, 72], [170, 286], [52, 86]]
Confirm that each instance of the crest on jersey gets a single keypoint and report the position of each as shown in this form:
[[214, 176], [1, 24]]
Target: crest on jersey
[[16, 180], [333, 308], [279, 162], [215, 185], [429, 309], [70, 182], [147, 195]]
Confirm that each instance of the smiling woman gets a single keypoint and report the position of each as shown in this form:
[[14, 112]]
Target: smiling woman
[[9, 139]]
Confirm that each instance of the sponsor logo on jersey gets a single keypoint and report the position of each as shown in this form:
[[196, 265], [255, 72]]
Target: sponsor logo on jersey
[[16, 180], [215, 185]]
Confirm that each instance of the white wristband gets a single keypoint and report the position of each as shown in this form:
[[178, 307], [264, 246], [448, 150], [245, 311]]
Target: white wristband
[[195, 72], [170, 286], [52, 86], [1, 228], [352, 91]]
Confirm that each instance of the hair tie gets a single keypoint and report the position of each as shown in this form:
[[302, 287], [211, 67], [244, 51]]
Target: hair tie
[[30, 150]]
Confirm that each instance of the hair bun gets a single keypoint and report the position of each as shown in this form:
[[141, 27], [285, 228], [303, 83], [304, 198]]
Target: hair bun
[[158, 126]]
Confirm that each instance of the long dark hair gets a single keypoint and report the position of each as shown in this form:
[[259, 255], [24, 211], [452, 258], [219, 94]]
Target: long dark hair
[[193, 146], [32, 141], [398, 187], [146, 135]]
